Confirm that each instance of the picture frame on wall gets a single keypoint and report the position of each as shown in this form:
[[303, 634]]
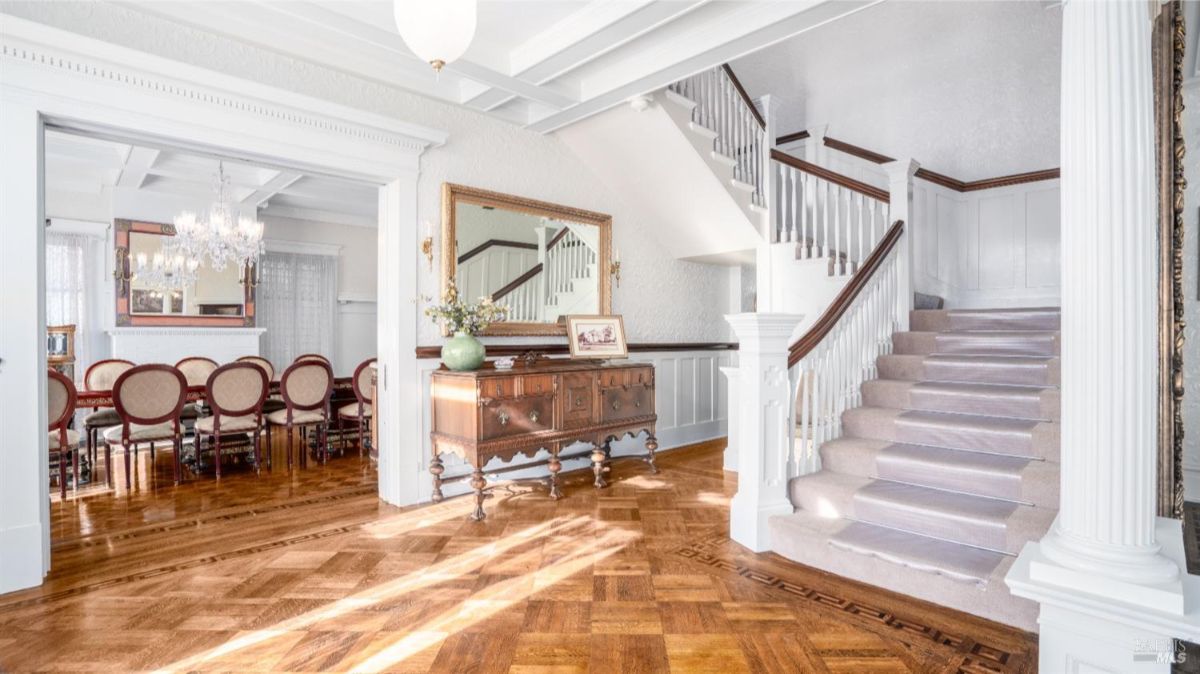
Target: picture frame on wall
[[597, 337]]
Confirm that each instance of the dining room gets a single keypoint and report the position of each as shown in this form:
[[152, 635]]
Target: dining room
[[210, 328]]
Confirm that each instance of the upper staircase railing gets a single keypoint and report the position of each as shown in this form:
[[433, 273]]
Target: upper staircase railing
[[724, 107], [826, 214]]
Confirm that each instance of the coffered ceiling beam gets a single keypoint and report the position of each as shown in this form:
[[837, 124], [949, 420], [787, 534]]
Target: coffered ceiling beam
[[281, 181], [138, 163]]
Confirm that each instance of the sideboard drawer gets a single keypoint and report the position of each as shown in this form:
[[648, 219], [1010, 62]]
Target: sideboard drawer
[[498, 387], [579, 402], [503, 418], [626, 402], [537, 384]]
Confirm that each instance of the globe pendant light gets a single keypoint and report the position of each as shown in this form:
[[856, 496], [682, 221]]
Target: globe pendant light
[[437, 31]]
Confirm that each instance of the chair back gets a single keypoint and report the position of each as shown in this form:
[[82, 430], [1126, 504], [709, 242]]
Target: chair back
[[307, 385], [362, 381], [196, 369], [237, 389], [261, 362], [60, 400], [312, 356], [102, 374], [150, 394]]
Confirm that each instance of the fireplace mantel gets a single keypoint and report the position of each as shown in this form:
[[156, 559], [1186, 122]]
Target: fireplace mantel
[[170, 344]]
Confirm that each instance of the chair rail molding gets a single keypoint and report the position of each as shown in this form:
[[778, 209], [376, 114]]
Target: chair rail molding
[[57, 78]]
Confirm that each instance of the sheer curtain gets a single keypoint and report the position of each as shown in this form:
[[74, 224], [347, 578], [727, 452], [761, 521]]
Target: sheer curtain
[[67, 271], [297, 305]]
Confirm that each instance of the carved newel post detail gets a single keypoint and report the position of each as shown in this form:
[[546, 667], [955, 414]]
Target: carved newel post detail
[[763, 425], [1108, 574]]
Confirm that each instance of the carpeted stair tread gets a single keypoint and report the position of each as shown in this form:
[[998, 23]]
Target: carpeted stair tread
[[990, 475], [978, 343], [956, 320], [957, 562], [994, 524], [997, 435], [1012, 370], [805, 538], [998, 400]]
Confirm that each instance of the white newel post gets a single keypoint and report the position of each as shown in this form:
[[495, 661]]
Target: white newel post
[[900, 192], [731, 430], [1107, 575], [763, 426]]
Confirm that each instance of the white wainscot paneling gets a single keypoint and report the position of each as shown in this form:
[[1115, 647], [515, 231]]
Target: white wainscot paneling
[[989, 248], [357, 335], [690, 399]]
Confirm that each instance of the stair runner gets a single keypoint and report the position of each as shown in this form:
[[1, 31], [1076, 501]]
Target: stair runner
[[947, 469]]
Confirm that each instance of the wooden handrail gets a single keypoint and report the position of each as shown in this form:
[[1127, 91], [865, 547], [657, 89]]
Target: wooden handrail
[[555, 239], [845, 298], [517, 282], [826, 174], [737, 85], [494, 242]]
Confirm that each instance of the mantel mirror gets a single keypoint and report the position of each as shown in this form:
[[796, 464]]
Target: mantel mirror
[[156, 287], [543, 261]]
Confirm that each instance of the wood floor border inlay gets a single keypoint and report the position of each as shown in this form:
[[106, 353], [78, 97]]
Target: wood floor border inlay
[[980, 657]]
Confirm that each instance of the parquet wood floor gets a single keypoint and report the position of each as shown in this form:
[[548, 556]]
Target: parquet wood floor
[[311, 572]]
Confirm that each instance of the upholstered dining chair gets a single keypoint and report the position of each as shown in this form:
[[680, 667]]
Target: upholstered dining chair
[[272, 403], [100, 376], [60, 407], [149, 399], [235, 392], [312, 356], [196, 370], [362, 410], [306, 386]]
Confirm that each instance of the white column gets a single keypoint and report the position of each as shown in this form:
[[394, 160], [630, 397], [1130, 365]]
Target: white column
[[24, 458], [900, 192], [729, 462], [763, 425], [1107, 575], [401, 459]]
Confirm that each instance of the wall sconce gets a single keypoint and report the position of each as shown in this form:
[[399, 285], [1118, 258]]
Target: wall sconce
[[614, 267], [427, 244], [122, 271]]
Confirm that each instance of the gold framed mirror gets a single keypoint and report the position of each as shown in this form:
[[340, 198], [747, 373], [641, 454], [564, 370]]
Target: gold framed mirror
[[543, 261]]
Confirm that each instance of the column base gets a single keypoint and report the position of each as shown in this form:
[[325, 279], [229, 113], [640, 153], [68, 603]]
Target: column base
[[1090, 622], [748, 521]]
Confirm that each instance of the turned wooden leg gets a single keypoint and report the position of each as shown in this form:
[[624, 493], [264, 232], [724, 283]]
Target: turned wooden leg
[[478, 483], [257, 450], [108, 471], [270, 449], [62, 473], [555, 466], [361, 423], [598, 457], [651, 445], [289, 447], [178, 458], [128, 481], [217, 454], [436, 469]]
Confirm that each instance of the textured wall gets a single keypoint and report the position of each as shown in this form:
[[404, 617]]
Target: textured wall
[[969, 89], [662, 299]]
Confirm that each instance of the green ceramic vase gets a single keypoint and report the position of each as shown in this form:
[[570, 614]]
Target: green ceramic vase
[[463, 352]]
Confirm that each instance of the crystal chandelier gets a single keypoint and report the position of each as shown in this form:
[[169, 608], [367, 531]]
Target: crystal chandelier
[[169, 269], [222, 236]]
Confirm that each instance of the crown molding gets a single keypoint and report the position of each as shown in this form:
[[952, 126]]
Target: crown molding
[[44, 48], [302, 247]]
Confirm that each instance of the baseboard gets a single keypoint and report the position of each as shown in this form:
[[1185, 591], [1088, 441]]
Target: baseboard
[[21, 563]]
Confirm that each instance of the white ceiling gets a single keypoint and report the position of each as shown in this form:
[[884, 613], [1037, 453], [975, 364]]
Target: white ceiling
[[541, 64], [87, 165], [969, 89]]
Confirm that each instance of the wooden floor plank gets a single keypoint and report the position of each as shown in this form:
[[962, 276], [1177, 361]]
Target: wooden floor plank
[[308, 571]]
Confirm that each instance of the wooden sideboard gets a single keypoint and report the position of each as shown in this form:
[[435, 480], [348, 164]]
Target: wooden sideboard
[[548, 405]]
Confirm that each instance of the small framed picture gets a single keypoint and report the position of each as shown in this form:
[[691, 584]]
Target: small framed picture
[[597, 337]]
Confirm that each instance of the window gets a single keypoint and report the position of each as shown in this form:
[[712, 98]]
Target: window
[[296, 304]]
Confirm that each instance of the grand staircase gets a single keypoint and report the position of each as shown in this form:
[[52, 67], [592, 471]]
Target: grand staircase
[[946, 469]]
